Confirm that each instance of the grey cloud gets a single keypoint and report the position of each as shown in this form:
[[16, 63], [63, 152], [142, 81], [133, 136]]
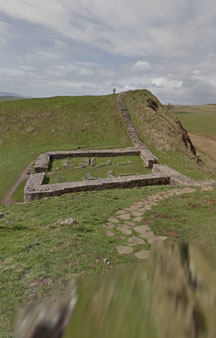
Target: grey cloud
[[90, 46]]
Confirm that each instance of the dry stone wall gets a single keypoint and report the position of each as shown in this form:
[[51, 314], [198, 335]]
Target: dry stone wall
[[35, 189], [43, 161], [147, 156], [177, 178]]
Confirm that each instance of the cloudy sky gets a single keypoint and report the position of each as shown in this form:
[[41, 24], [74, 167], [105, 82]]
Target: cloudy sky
[[76, 47]]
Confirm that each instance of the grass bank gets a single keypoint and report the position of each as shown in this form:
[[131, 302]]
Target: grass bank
[[38, 257], [32, 126], [163, 135]]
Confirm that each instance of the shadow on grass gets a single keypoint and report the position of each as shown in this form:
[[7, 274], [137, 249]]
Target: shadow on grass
[[16, 227], [46, 180]]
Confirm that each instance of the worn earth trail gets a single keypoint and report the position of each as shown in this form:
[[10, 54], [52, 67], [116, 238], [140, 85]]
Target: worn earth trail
[[130, 223], [23, 176], [206, 145]]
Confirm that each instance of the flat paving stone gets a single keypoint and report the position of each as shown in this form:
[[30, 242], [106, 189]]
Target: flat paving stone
[[109, 225], [110, 234], [189, 190], [125, 217], [124, 250], [131, 224], [113, 220], [137, 213], [142, 210], [132, 208], [146, 235], [143, 254], [142, 229], [169, 194], [156, 239], [138, 219], [148, 207], [121, 212], [138, 204], [153, 203], [207, 188], [135, 241], [180, 192], [155, 197], [124, 229]]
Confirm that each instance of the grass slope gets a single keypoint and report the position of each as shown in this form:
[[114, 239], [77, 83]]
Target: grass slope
[[163, 134], [38, 257], [30, 127]]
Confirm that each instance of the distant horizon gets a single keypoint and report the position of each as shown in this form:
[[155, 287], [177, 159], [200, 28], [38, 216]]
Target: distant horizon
[[21, 96]]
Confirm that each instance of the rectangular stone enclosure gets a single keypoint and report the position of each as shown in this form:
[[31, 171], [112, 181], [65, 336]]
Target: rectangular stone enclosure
[[37, 188]]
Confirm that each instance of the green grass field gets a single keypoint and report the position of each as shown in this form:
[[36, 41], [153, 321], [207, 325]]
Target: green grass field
[[38, 256], [119, 165], [198, 119]]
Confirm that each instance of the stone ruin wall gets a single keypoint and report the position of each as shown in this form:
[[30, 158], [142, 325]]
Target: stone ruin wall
[[36, 189], [43, 161]]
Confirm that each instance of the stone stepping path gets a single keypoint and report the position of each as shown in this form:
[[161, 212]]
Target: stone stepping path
[[130, 223], [143, 254], [135, 241], [124, 229], [124, 250], [125, 217]]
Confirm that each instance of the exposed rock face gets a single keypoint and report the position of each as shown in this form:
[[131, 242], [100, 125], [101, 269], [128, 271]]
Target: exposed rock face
[[152, 104], [186, 138], [172, 294]]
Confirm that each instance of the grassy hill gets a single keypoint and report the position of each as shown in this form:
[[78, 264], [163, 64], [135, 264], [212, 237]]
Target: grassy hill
[[38, 256], [164, 135], [8, 98], [32, 126]]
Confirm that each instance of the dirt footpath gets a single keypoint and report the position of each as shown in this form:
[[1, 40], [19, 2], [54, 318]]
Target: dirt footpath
[[23, 176], [205, 145]]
